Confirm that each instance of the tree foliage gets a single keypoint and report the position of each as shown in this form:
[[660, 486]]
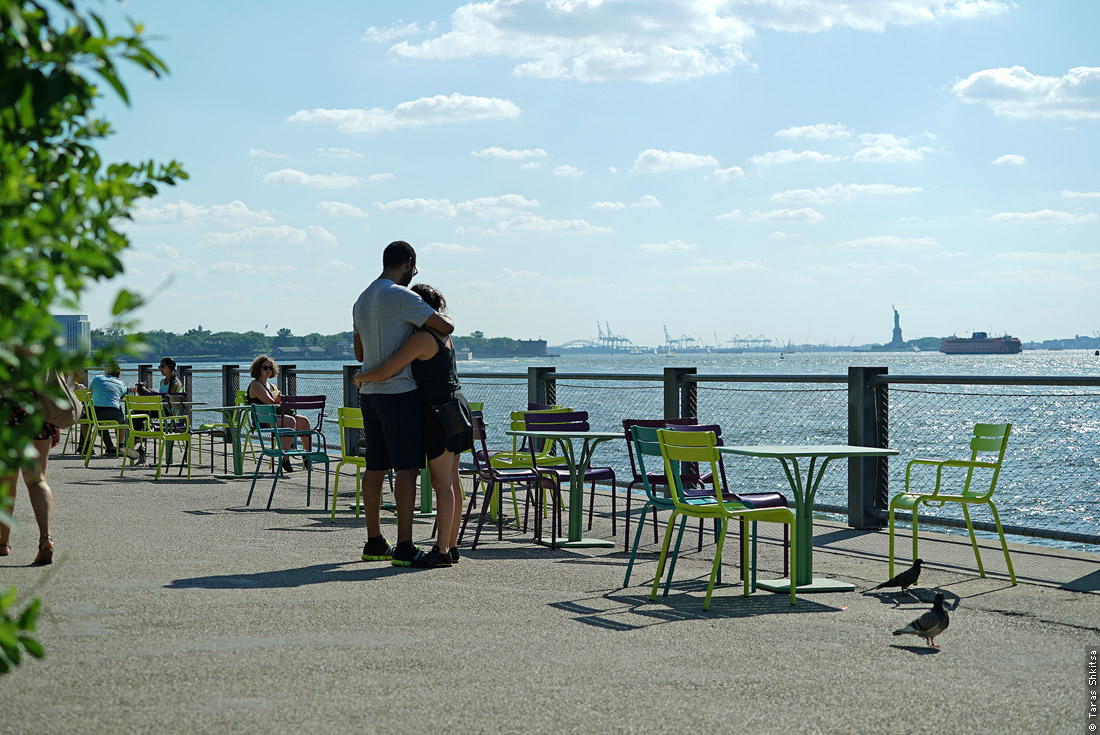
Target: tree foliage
[[60, 205]]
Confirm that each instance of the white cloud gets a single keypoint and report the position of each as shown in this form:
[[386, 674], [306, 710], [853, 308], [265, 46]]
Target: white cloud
[[509, 154], [672, 246], [235, 213], [702, 266], [780, 235], [307, 237], [261, 153], [647, 200], [887, 154], [787, 215], [788, 156], [862, 15], [252, 269], [339, 209], [399, 29], [653, 161], [861, 271], [596, 41], [531, 164], [499, 207], [316, 181], [1081, 194], [820, 131], [446, 247], [439, 208], [380, 177], [891, 241], [732, 214], [839, 192], [454, 108], [532, 223], [341, 153], [1016, 92], [883, 140], [1045, 216], [567, 170], [608, 205], [726, 174], [1010, 159], [168, 251], [334, 265]]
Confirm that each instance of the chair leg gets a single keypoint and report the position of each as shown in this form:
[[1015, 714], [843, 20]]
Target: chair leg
[[634, 549], [718, 563], [278, 474], [489, 490], [664, 556], [626, 521], [1004, 544], [591, 504], [675, 554], [655, 522], [786, 549], [973, 540], [890, 575], [469, 509]]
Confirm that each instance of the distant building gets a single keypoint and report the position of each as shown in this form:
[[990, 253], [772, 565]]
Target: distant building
[[77, 331], [289, 352]]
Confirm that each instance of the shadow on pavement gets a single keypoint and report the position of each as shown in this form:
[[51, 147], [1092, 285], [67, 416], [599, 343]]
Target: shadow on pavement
[[316, 574]]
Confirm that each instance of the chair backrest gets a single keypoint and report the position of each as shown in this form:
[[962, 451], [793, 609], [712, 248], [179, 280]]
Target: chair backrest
[[639, 476], [174, 403], [541, 406], [557, 421], [264, 419], [478, 423], [644, 442], [519, 423], [988, 439], [240, 397], [348, 418], [692, 471], [305, 403], [679, 447], [139, 406]]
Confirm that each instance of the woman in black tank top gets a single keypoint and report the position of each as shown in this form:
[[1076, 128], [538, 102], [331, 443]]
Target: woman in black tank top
[[432, 357]]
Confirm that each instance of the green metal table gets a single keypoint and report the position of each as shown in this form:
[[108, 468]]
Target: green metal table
[[804, 493], [235, 417], [577, 468]]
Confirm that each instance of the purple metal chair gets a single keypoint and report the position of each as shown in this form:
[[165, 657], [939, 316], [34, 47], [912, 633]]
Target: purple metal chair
[[493, 479], [572, 421]]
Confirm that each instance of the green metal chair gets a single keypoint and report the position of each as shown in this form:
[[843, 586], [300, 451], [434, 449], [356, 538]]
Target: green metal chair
[[266, 420], [679, 447], [149, 418], [98, 425], [81, 427], [348, 418], [989, 439], [645, 443]]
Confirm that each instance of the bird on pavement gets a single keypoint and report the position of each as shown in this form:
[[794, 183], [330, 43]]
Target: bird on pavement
[[930, 624], [904, 580]]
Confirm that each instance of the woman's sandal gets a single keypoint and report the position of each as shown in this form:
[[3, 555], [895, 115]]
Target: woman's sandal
[[5, 549], [45, 551]]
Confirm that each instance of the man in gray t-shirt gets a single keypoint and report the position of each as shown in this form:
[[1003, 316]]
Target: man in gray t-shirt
[[383, 317]]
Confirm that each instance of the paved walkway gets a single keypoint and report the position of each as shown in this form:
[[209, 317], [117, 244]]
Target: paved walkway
[[171, 608]]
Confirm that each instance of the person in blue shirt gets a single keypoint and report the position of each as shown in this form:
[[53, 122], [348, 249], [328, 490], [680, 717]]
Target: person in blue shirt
[[107, 392]]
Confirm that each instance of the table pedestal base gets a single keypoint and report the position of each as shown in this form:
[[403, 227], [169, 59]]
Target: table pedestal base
[[584, 543], [819, 584]]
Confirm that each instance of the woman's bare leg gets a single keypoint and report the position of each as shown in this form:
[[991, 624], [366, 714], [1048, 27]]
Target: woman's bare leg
[[40, 494], [456, 493], [8, 504], [301, 423], [440, 469]]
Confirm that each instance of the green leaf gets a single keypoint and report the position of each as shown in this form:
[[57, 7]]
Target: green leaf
[[29, 617], [33, 647], [9, 598]]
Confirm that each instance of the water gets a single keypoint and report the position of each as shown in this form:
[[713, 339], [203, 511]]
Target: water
[[1052, 474]]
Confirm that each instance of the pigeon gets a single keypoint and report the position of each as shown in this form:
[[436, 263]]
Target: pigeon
[[903, 580], [930, 624]]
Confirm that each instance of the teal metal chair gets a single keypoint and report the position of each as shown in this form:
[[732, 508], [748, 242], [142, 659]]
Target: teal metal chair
[[266, 421], [645, 443], [989, 439]]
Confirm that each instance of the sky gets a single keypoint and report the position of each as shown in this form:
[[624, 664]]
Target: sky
[[785, 169]]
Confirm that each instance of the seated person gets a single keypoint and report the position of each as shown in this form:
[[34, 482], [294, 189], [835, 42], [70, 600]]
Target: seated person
[[261, 392], [107, 392], [169, 383]]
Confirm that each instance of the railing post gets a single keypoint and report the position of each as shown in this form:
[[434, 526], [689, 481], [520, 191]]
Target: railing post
[[145, 375], [183, 372], [351, 400], [231, 383], [287, 380], [541, 385], [867, 427], [680, 395]]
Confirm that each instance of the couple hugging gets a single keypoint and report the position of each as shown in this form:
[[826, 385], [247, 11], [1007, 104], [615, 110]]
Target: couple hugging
[[412, 408]]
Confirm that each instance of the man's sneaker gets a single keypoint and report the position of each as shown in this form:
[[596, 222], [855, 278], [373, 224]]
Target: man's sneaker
[[454, 555], [377, 550], [406, 555], [434, 559]]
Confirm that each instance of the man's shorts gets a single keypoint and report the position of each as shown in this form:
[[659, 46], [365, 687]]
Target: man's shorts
[[394, 430]]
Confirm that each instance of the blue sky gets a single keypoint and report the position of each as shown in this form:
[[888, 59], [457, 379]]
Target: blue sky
[[751, 167]]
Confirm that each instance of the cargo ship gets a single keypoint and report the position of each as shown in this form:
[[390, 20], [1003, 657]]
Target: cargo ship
[[981, 344]]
